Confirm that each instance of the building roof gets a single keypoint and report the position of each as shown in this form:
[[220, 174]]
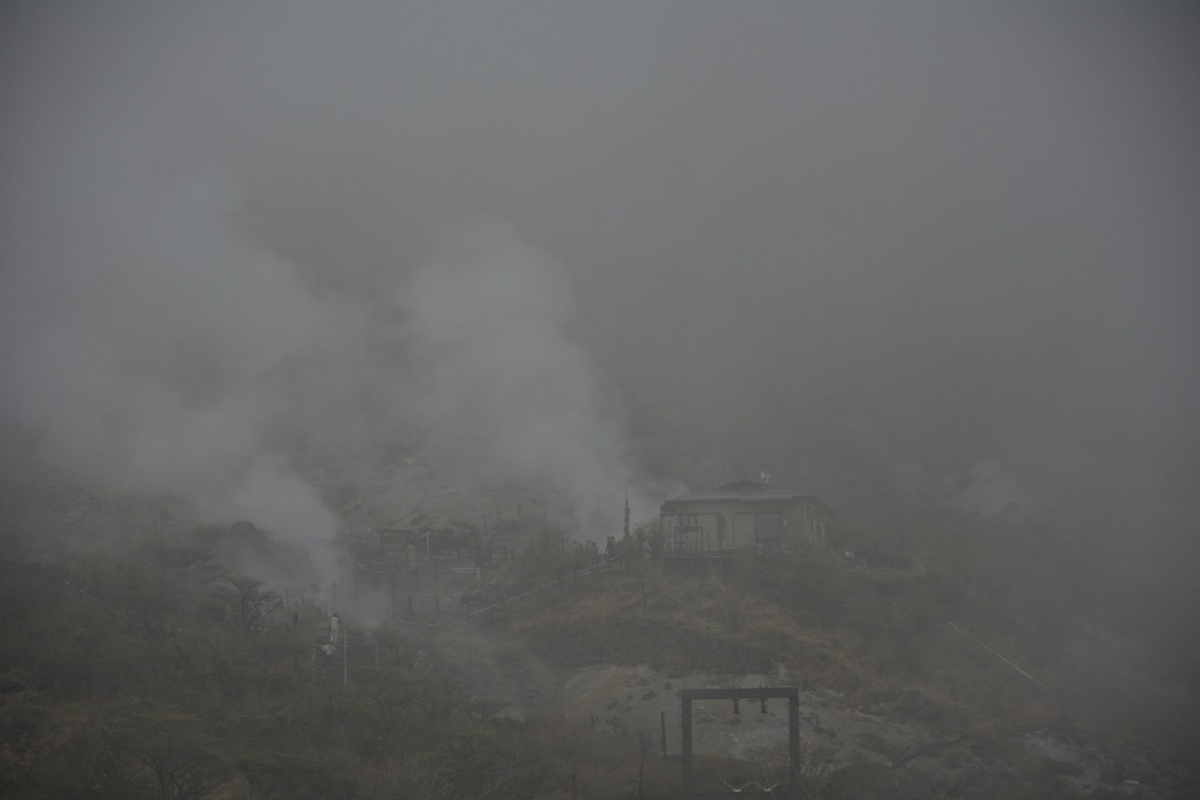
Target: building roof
[[743, 492]]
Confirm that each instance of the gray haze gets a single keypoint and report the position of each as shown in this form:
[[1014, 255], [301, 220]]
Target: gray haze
[[234, 232]]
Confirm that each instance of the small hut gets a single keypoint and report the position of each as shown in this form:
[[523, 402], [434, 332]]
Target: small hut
[[744, 515]]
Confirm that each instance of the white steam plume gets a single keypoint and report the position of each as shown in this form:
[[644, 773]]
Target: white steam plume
[[149, 346], [139, 333], [489, 324]]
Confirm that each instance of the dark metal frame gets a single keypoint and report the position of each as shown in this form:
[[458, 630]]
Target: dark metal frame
[[791, 694]]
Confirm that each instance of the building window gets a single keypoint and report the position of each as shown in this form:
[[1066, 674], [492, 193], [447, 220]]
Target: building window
[[768, 531]]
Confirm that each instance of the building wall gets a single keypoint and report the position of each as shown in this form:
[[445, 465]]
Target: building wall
[[794, 525]]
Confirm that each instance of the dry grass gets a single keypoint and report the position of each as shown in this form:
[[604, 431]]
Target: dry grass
[[870, 636]]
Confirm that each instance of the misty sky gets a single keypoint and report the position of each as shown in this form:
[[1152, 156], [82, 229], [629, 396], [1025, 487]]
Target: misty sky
[[972, 226]]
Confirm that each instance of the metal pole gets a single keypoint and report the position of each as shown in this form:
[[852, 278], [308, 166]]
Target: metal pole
[[794, 745], [345, 657], [686, 751]]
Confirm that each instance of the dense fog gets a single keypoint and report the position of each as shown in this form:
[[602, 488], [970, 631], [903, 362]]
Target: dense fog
[[350, 351], [238, 232]]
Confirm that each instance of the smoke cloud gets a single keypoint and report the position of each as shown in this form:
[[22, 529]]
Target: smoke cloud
[[973, 228], [152, 346], [488, 321], [140, 332]]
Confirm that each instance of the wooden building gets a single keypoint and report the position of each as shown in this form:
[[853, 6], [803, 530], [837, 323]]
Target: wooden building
[[744, 515]]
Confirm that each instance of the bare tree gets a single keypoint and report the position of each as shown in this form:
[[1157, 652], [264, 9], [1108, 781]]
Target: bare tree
[[248, 604]]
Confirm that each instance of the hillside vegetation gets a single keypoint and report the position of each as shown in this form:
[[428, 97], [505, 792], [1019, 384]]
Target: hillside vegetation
[[147, 665]]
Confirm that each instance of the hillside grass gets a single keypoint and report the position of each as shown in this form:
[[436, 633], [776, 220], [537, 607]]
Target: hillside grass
[[146, 669], [869, 635]]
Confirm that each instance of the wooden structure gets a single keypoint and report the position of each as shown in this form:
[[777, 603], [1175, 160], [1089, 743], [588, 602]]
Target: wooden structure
[[744, 515]]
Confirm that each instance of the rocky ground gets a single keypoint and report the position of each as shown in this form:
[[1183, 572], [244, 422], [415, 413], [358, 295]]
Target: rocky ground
[[900, 737], [908, 735]]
